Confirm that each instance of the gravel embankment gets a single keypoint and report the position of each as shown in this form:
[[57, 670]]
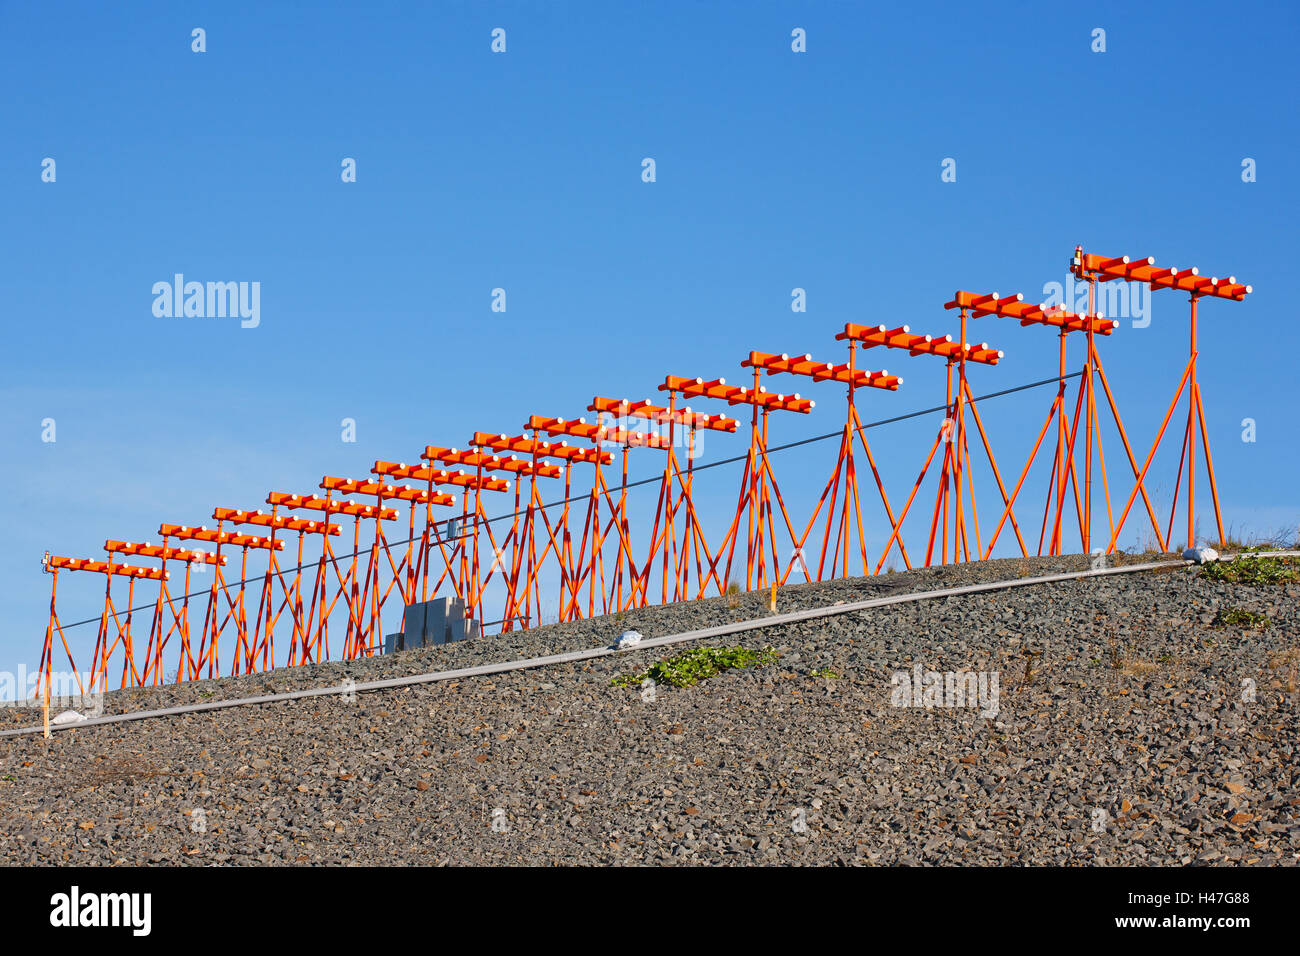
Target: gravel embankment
[[1124, 735]]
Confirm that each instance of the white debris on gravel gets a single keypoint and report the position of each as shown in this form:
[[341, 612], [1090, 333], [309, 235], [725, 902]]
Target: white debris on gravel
[[1201, 555], [68, 717], [628, 639]]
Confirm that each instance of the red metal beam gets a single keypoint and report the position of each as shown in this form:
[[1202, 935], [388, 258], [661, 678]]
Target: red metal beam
[[657, 413], [279, 522], [312, 503], [419, 496], [186, 533], [903, 338], [1144, 270], [736, 394], [476, 459], [822, 371], [104, 567], [439, 476], [166, 554], [581, 428], [543, 449], [1015, 307]]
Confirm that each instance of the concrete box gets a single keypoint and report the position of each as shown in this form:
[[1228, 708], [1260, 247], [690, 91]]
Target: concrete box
[[413, 626], [436, 620], [462, 628]]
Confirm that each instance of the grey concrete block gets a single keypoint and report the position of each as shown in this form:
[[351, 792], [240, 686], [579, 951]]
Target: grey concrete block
[[436, 620], [455, 615], [430, 622], [463, 628], [413, 626]]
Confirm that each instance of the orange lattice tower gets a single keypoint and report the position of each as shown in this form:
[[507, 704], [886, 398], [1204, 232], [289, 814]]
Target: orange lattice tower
[[1094, 269], [261, 652], [758, 485], [366, 640], [473, 580], [324, 597], [215, 620], [444, 539], [672, 550], [839, 497], [589, 564], [950, 500], [526, 564], [131, 676], [1064, 473], [180, 623]]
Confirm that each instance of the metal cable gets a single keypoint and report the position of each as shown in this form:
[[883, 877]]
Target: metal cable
[[582, 497], [572, 656]]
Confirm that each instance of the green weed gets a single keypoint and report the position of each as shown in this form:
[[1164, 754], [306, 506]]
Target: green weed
[[688, 669]]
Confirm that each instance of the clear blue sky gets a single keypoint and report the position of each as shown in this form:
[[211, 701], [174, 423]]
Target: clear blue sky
[[522, 171]]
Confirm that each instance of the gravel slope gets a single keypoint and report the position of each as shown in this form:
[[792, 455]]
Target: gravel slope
[[1122, 737]]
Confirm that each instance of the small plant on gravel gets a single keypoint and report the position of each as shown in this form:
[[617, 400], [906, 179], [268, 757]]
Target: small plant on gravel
[[1030, 670], [688, 669], [1288, 660], [824, 672], [1116, 654], [1281, 539], [1122, 660], [1259, 572], [1239, 617], [733, 595]]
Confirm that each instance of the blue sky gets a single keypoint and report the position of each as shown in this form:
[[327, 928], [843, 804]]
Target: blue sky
[[522, 171]]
